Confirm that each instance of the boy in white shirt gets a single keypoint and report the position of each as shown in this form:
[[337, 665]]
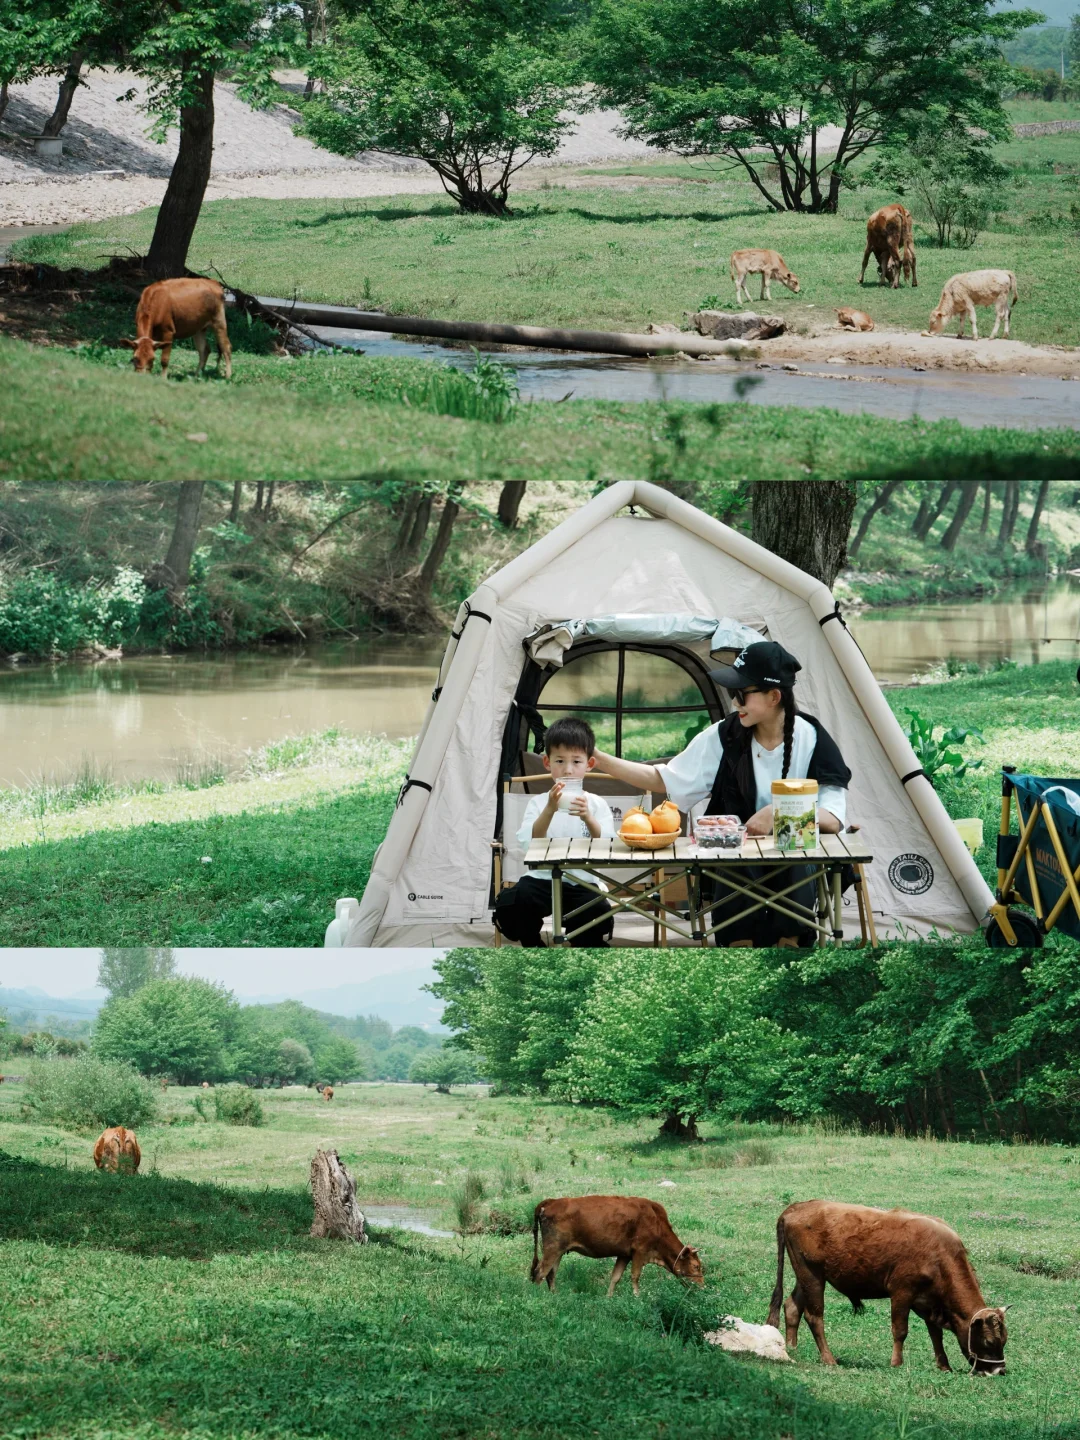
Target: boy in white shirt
[[570, 753]]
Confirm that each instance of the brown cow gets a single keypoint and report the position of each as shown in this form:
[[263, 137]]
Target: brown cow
[[849, 319], [636, 1232], [886, 231], [184, 309], [117, 1149], [916, 1261], [328, 1092], [769, 264]]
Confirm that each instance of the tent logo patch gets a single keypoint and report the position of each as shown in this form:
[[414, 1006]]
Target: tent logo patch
[[911, 874], [413, 896]]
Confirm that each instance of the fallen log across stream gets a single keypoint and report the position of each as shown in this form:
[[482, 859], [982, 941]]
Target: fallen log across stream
[[539, 337]]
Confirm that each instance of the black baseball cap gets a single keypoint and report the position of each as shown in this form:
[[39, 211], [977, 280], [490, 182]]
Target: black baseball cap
[[765, 665]]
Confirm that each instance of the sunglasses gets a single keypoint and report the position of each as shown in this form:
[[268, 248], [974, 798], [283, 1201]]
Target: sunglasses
[[739, 696]]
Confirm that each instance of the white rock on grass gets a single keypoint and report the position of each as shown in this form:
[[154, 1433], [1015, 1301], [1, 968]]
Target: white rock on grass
[[740, 1337]]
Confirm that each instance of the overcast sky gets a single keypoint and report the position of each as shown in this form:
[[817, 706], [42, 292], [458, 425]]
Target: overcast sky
[[62, 973]]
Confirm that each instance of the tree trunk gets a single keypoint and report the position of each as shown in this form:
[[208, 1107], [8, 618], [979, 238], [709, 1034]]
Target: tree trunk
[[880, 502], [969, 493], [270, 496], [237, 496], [5, 96], [179, 213], [260, 489], [806, 522], [945, 494], [68, 85], [437, 553], [988, 490], [173, 575], [333, 1191], [1033, 529], [921, 514], [510, 498], [1009, 511], [679, 1129], [421, 521]]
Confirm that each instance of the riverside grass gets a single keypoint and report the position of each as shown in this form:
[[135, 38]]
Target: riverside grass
[[287, 842], [196, 1283]]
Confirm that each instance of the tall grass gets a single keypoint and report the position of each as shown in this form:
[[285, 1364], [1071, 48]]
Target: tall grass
[[489, 391]]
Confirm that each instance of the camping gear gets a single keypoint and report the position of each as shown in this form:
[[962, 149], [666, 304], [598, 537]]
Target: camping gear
[[718, 832], [757, 873], [1041, 865], [636, 550], [795, 807]]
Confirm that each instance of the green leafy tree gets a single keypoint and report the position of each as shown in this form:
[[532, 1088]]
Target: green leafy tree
[[950, 174], [476, 90], [90, 1091], [678, 1034], [758, 80], [337, 1059], [122, 972], [442, 1068], [1074, 41], [177, 1027], [295, 1065]]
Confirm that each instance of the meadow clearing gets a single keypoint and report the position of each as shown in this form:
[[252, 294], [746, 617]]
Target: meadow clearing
[[188, 1300], [89, 862]]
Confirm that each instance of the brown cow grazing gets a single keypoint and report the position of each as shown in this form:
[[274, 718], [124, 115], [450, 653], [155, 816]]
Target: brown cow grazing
[[916, 1261], [636, 1232], [887, 230], [769, 264], [117, 1149], [328, 1092], [171, 310], [849, 319], [975, 287]]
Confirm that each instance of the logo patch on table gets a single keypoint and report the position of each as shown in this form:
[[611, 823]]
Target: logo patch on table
[[911, 874]]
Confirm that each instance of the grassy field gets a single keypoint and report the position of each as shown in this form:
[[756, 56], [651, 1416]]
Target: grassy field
[[188, 1301], [617, 257], [284, 844]]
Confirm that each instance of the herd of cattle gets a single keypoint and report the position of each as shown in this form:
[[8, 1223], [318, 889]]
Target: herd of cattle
[[890, 240], [916, 1262], [171, 310]]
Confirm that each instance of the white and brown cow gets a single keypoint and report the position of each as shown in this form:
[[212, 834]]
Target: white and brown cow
[[769, 264], [975, 287]]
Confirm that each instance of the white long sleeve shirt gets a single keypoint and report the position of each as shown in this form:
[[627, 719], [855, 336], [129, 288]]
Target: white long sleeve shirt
[[565, 826]]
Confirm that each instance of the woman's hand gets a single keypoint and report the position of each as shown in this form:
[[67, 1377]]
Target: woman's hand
[[761, 823]]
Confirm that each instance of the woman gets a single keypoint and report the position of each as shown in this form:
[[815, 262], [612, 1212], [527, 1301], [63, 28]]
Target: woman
[[734, 764]]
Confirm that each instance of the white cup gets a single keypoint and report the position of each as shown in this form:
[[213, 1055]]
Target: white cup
[[570, 789]]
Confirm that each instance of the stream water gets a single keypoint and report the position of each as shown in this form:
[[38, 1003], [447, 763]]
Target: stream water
[[154, 715]]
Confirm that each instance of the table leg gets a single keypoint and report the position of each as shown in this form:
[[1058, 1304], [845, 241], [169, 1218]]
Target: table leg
[[693, 899], [661, 908], [823, 904], [837, 907], [557, 937]]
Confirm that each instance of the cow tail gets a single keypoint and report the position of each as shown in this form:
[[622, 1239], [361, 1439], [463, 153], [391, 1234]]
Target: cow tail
[[536, 1246], [778, 1293]]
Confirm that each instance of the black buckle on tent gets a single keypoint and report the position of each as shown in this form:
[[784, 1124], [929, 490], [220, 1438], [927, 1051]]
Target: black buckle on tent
[[406, 786], [469, 613], [905, 778], [835, 615], [436, 693]]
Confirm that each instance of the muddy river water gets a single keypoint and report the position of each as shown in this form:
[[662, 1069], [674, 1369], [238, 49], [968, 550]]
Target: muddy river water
[[153, 715]]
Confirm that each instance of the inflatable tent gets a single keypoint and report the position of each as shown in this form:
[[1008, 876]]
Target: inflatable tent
[[636, 550]]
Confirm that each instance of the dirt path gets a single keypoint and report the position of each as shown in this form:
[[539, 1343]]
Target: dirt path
[[909, 349]]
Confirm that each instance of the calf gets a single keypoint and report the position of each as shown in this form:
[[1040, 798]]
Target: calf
[[328, 1092], [849, 319], [117, 1149], [916, 1261], [636, 1232], [975, 287], [172, 310], [766, 263], [887, 230]]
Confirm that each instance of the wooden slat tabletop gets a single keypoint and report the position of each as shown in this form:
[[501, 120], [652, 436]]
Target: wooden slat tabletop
[[608, 852]]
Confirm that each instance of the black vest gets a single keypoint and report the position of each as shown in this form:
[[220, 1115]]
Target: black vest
[[734, 790]]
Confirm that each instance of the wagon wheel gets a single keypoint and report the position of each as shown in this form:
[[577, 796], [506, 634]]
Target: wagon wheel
[[1029, 935]]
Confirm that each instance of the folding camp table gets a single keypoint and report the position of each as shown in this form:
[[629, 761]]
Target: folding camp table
[[638, 881], [1041, 865]]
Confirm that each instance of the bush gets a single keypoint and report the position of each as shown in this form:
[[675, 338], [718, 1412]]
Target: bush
[[442, 1068], [237, 1105], [90, 1092]]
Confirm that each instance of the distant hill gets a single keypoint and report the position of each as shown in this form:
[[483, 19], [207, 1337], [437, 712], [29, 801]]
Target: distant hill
[[32, 1005], [397, 998], [1040, 47]]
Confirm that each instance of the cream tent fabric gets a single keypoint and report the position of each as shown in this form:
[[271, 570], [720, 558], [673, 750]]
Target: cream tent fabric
[[430, 877]]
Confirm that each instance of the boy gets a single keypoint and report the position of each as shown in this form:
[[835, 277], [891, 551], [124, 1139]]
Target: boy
[[569, 747]]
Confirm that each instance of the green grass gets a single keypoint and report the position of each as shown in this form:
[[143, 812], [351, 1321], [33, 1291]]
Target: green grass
[[286, 843], [188, 1301], [1024, 112], [613, 257]]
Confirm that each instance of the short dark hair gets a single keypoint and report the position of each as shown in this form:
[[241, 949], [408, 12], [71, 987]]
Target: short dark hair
[[572, 734]]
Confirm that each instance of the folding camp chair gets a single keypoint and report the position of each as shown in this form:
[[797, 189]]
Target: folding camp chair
[[1048, 850]]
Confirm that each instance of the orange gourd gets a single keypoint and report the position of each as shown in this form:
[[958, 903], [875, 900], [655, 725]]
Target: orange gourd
[[665, 819], [636, 822]]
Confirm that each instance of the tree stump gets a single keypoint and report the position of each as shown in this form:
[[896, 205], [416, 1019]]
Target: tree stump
[[333, 1190]]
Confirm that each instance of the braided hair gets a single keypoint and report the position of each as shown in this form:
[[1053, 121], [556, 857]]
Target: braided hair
[[787, 700]]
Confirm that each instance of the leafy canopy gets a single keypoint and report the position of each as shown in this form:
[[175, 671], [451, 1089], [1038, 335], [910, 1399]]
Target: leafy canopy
[[724, 77], [176, 1027]]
